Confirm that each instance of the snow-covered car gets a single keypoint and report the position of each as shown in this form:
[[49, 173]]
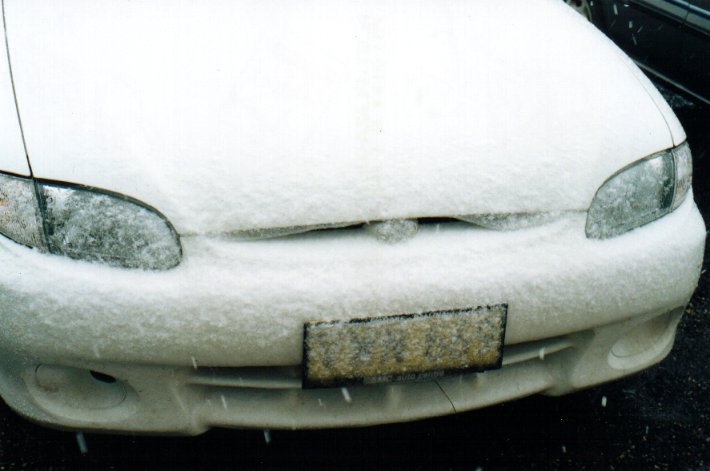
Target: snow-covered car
[[316, 213]]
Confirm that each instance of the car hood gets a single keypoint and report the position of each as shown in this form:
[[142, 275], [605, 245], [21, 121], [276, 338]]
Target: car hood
[[232, 116]]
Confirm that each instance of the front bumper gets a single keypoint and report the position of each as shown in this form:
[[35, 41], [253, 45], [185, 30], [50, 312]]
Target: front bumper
[[217, 341]]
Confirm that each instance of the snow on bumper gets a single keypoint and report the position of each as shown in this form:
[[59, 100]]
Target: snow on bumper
[[240, 307]]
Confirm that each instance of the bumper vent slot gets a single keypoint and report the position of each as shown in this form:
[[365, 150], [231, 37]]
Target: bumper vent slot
[[289, 377], [275, 377]]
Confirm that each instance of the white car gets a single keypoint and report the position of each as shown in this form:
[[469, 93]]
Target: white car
[[319, 213]]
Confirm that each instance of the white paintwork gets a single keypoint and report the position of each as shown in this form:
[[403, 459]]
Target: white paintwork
[[268, 113], [12, 152]]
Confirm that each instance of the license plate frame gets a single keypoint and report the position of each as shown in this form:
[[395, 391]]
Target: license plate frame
[[403, 347]]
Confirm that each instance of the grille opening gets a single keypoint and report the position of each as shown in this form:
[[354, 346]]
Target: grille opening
[[290, 377], [493, 221], [103, 377], [437, 220]]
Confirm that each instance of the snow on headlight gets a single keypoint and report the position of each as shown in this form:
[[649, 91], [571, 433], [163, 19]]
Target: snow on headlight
[[19, 212], [86, 224], [100, 227], [683, 172], [640, 193]]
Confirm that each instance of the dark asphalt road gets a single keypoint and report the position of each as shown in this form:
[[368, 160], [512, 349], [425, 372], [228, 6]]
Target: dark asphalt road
[[659, 419]]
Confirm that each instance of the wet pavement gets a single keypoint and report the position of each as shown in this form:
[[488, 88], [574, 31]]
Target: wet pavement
[[658, 419]]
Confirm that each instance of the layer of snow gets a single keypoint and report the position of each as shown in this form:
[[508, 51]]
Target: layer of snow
[[19, 211], [511, 222], [245, 303], [98, 227], [239, 115], [12, 152], [393, 230]]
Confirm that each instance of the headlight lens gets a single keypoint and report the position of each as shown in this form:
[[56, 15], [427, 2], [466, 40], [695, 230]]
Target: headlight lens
[[640, 193], [19, 211], [87, 224]]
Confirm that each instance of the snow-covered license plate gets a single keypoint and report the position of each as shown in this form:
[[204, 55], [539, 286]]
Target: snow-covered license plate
[[403, 347]]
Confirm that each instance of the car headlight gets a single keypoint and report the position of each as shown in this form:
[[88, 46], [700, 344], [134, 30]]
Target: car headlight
[[640, 193], [87, 224]]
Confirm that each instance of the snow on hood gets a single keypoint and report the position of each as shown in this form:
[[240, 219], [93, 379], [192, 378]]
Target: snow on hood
[[249, 114]]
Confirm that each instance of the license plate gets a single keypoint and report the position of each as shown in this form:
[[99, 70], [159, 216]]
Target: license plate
[[403, 347]]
